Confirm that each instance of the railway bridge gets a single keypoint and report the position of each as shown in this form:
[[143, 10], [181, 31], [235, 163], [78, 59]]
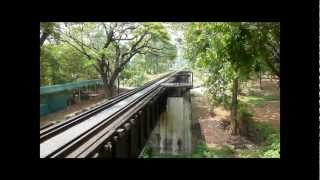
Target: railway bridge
[[121, 126]]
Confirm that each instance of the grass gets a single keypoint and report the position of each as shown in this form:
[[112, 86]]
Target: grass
[[203, 151], [263, 134], [258, 100], [267, 148], [268, 141], [146, 152]]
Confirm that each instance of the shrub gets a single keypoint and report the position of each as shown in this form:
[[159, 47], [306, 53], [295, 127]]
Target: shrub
[[199, 150], [261, 133], [244, 119], [202, 151], [147, 152], [268, 140]]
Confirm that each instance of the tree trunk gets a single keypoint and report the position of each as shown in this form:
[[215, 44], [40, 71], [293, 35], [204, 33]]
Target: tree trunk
[[43, 38], [260, 80], [118, 85], [108, 89], [234, 107], [274, 70], [107, 86]]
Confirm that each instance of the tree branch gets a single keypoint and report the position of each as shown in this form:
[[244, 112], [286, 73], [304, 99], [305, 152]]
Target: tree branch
[[97, 68], [75, 47], [43, 37], [272, 67], [81, 44], [109, 35]]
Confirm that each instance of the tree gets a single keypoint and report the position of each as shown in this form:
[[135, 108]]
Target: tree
[[136, 70], [48, 29], [60, 63], [111, 46], [229, 53], [266, 42]]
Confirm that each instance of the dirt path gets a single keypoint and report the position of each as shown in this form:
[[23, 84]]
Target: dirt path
[[205, 125]]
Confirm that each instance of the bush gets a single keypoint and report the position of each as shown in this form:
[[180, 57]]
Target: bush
[[267, 138], [250, 153], [147, 152], [259, 100], [244, 119], [202, 151], [272, 146], [199, 150], [261, 133]]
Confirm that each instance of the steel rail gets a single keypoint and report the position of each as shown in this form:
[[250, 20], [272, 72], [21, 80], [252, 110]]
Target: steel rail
[[49, 131], [74, 143], [89, 148]]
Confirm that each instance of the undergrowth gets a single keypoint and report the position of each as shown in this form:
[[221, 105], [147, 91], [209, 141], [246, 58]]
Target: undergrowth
[[263, 135], [203, 151], [147, 152]]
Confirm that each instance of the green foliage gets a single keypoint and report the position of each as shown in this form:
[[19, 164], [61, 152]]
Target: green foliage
[[224, 51], [51, 29], [266, 137], [135, 72], [263, 134], [243, 112], [82, 45], [62, 64], [258, 100], [263, 131], [199, 150], [202, 151], [270, 148], [147, 152], [249, 153]]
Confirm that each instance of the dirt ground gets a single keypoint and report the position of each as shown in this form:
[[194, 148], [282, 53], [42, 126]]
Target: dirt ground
[[207, 125], [270, 113], [270, 110]]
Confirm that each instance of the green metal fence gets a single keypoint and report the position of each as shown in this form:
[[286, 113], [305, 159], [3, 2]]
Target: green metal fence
[[68, 86], [55, 98]]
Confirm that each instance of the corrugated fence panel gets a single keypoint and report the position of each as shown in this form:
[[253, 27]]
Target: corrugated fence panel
[[44, 109], [68, 86], [55, 98]]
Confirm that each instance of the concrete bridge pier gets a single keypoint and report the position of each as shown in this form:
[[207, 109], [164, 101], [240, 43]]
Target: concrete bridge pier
[[172, 134], [177, 129]]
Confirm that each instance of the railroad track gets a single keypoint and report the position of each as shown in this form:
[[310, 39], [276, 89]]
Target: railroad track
[[98, 131]]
